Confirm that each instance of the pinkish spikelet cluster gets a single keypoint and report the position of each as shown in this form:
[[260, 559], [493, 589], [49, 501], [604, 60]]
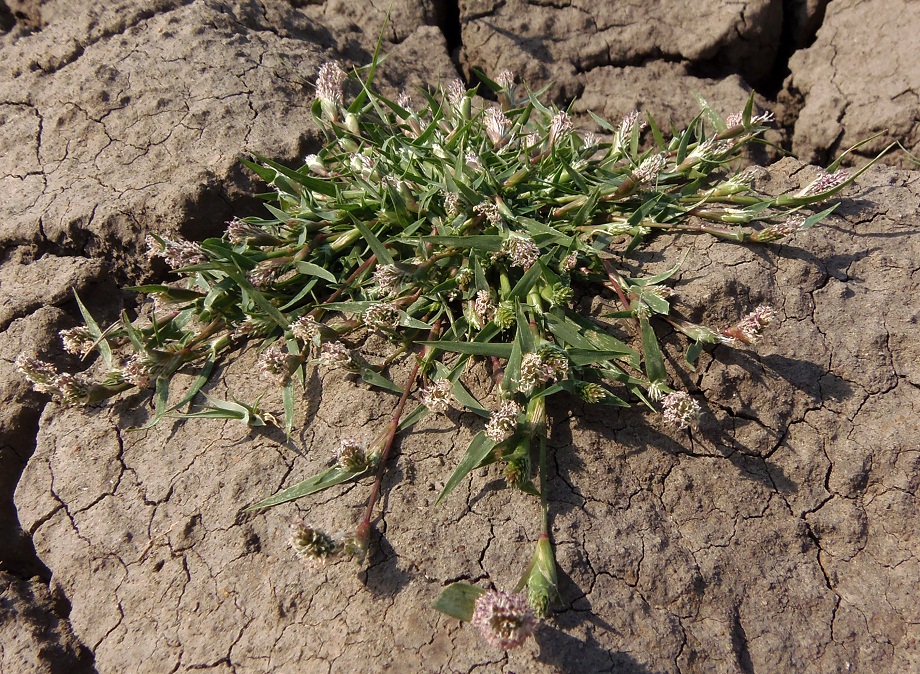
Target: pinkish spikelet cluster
[[570, 262], [489, 211], [779, 230], [438, 396], [505, 79], [352, 457], [680, 410], [404, 100], [737, 118], [273, 362], [239, 231], [648, 170], [456, 92], [484, 307], [561, 125], [178, 254], [452, 204], [539, 368], [42, 374], [503, 422], [472, 160], [825, 183], [497, 125], [138, 370], [749, 328], [505, 620], [329, 83], [336, 354], [388, 279], [305, 328], [381, 316], [627, 124], [70, 389], [521, 251], [77, 341], [73, 389], [262, 276]]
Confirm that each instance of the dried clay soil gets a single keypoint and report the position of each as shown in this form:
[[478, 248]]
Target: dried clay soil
[[781, 535]]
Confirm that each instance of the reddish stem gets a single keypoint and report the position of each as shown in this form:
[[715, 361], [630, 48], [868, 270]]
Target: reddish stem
[[390, 435]]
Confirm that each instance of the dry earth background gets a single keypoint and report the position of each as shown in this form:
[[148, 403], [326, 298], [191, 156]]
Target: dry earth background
[[782, 536]]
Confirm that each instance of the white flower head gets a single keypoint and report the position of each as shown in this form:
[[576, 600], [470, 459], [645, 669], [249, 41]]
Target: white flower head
[[505, 620], [680, 410], [438, 397], [329, 83], [503, 422]]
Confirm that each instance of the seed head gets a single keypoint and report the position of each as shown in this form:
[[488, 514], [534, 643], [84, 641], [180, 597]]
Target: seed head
[[178, 254], [561, 296], [779, 230], [532, 372], [263, 275], [570, 262], [680, 409], [517, 471], [381, 316], [312, 544], [456, 92], [77, 341], [505, 79], [452, 204], [352, 456], [315, 164], [473, 161], [503, 422], [305, 328], [521, 251], [404, 100], [463, 277], [489, 211], [329, 83], [239, 231], [749, 328], [139, 370], [438, 396], [825, 183], [555, 362], [648, 170], [274, 362], [42, 374], [336, 354], [483, 307], [388, 279], [623, 134], [497, 124], [591, 392], [561, 125], [72, 389], [505, 315], [505, 620], [749, 175], [656, 391]]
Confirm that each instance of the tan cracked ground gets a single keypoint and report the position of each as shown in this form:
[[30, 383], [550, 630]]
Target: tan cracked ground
[[780, 537]]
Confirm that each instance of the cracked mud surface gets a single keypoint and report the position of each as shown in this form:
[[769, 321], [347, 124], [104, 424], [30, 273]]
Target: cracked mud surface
[[779, 537]]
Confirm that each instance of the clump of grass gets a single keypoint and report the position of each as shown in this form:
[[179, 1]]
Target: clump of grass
[[459, 230]]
